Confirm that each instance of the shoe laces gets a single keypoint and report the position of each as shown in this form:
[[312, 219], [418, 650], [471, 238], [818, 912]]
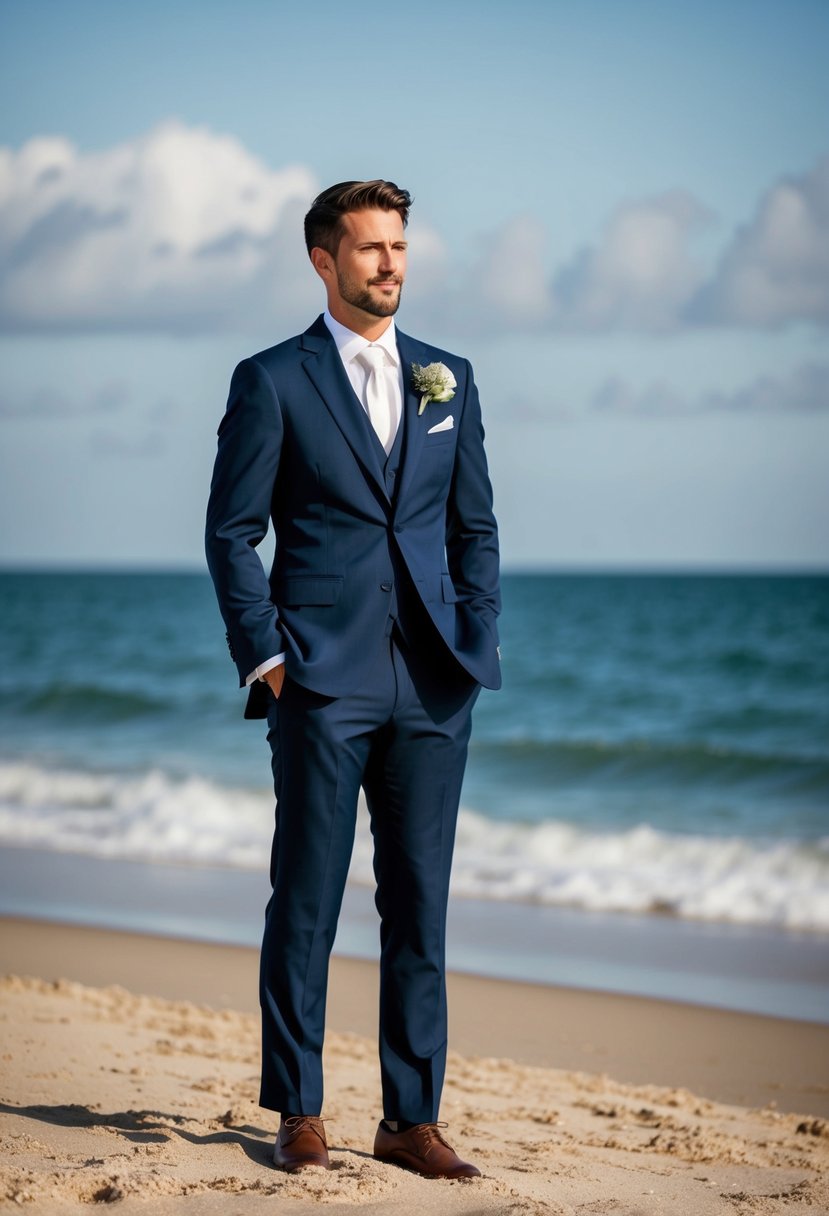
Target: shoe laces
[[296, 1123], [429, 1134]]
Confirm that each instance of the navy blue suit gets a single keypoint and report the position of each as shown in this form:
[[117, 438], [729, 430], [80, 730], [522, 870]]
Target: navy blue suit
[[383, 594]]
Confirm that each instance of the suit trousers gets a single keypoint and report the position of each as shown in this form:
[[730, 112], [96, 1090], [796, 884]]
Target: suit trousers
[[403, 737]]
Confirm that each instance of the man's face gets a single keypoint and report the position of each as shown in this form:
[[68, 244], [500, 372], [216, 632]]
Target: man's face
[[370, 264]]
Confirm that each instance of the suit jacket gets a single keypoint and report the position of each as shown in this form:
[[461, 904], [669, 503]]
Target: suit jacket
[[295, 446]]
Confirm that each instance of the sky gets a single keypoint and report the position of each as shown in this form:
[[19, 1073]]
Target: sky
[[621, 217]]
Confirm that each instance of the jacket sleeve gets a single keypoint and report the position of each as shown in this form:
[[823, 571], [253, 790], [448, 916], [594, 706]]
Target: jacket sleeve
[[471, 529], [238, 514]]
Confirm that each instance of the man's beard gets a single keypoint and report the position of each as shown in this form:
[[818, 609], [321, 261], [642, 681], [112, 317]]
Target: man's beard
[[361, 297]]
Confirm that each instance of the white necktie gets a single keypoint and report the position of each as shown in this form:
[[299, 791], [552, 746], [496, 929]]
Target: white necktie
[[373, 359]]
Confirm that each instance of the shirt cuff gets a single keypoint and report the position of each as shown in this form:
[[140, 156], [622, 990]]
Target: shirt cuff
[[258, 673]]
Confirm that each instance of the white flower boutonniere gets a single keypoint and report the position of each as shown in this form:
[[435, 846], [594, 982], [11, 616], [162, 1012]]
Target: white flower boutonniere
[[434, 382]]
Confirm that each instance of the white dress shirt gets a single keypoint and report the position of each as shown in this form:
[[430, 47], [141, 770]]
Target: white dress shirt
[[349, 345]]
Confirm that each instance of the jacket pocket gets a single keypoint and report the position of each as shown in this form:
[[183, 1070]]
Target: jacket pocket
[[310, 589]]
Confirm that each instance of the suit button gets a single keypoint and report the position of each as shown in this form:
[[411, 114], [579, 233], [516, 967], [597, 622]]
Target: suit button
[[385, 586], [398, 527]]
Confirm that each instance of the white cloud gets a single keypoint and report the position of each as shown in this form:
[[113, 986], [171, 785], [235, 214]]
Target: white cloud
[[803, 389], [178, 229], [658, 398], [507, 285], [642, 272], [184, 230], [776, 269], [504, 290]]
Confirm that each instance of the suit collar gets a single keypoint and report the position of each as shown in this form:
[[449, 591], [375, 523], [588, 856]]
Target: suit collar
[[350, 344], [316, 335], [411, 351], [325, 369]]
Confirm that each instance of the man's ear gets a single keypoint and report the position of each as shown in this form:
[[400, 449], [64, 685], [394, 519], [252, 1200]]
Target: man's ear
[[323, 263]]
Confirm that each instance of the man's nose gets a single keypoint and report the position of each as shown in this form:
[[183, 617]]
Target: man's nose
[[388, 259]]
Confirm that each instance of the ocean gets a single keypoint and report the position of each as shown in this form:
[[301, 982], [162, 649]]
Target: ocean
[[646, 806]]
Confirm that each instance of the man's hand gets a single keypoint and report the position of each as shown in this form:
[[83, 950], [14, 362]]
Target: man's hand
[[275, 679]]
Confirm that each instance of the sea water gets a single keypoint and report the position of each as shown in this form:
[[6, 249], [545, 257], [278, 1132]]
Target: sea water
[[660, 747]]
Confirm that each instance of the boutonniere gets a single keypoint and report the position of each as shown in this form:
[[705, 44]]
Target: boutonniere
[[434, 382]]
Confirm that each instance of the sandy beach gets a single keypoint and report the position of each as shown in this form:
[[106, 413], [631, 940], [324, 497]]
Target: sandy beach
[[130, 1072]]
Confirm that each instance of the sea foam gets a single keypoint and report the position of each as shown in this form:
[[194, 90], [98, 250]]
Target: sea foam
[[152, 816]]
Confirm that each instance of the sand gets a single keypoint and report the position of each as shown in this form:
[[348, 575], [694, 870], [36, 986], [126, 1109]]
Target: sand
[[148, 1102]]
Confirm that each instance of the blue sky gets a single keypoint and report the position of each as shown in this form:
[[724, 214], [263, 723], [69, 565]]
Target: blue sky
[[621, 217]]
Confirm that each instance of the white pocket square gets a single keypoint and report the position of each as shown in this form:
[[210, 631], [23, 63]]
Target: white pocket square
[[446, 425]]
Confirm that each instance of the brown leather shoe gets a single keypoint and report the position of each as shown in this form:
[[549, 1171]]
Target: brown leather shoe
[[422, 1149], [300, 1143]]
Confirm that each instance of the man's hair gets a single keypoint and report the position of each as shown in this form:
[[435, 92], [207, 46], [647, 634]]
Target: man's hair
[[324, 222]]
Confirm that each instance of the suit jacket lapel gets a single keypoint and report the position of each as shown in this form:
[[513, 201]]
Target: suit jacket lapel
[[410, 352], [326, 372]]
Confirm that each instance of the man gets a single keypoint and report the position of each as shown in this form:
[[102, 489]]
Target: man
[[365, 649]]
